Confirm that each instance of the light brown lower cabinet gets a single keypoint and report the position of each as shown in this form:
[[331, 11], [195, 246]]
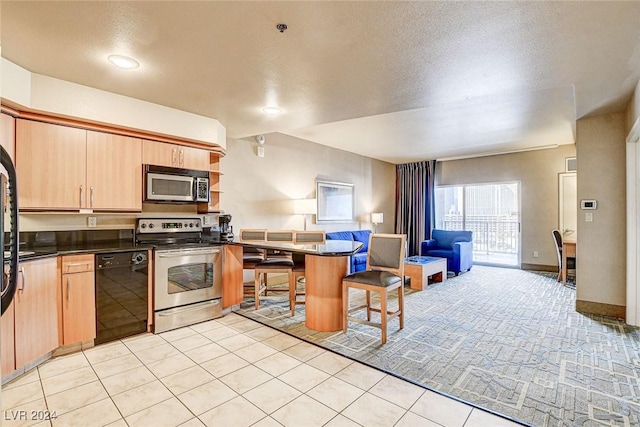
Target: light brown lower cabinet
[[36, 310], [78, 299], [7, 347]]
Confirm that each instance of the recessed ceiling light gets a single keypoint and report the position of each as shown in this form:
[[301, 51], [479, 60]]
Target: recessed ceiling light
[[272, 111], [123, 62]]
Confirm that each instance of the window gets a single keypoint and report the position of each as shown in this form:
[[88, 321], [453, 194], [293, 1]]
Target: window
[[491, 211]]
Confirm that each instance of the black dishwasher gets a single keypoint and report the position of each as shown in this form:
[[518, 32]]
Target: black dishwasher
[[122, 294]]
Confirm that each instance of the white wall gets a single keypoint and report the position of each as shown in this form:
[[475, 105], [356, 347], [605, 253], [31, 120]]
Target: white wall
[[258, 192], [633, 109], [537, 171], [601, 259], [35, 92]]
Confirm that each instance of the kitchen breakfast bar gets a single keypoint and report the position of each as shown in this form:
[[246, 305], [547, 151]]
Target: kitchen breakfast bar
[[325, 266]]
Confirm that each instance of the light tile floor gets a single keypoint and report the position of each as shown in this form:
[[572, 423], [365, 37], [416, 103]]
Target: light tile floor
[[226, 372]]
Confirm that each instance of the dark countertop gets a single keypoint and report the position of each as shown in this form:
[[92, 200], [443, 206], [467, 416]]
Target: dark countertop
[[37, 252], [329, 248]]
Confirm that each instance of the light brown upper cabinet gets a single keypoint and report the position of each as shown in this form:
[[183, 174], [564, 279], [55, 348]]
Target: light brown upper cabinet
[[173, 155], [66, 168], [114, 172], [7, 137], [51, 164]]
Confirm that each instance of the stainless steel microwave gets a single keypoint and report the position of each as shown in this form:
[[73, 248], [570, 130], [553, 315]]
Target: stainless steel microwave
[[175, 185]]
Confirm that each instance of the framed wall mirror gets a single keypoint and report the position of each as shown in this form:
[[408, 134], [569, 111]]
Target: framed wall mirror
[[336, 202]]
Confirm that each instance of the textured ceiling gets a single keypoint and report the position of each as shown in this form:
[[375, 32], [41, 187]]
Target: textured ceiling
[[397, 81]]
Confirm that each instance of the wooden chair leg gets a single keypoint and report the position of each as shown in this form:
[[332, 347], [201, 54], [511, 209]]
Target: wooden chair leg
[[256, 288], [383, 315], [292, 294], [345, 307], [401, 305], [368, 305]]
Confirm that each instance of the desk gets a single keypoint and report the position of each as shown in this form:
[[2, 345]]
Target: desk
[[568, 251], [325, 266]]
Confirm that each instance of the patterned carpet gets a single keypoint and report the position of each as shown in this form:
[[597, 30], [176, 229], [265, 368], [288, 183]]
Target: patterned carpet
[[502, 339]]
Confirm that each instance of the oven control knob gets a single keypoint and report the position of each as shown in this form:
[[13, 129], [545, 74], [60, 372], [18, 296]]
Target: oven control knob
[[150, 225], [191, 225], [143, 225], [139, 258]]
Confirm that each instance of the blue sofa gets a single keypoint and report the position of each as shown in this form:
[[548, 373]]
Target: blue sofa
[[358, 260], [456, 246]]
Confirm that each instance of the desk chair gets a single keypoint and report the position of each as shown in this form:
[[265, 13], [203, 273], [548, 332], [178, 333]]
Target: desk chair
[[296, 286], [571, 261], [384, 273]]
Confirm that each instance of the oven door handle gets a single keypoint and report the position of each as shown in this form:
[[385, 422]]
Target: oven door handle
[[182, 254]]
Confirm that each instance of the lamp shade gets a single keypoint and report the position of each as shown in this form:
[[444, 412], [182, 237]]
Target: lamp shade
[[304, 206], [377, 217]]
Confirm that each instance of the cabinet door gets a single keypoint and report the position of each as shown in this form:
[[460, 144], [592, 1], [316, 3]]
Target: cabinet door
[[78, 307], [51, 166], [232, 276], [8, 135], [114, 172], [7, 346], [193, 158], [159, 153], [36, 316]]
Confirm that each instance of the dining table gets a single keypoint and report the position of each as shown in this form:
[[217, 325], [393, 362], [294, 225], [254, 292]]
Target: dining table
[[326, 265]]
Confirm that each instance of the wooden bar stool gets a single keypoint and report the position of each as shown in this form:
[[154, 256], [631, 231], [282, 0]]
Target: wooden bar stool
[[384, 273], [276, 261]]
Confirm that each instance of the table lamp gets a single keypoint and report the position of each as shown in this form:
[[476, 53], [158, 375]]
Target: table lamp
[[376, 218], [304, 207]]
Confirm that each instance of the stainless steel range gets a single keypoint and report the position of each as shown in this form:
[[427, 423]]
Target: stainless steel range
[[187, 273]]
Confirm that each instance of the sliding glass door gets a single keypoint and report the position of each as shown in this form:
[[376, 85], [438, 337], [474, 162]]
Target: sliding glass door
[[491, 211]]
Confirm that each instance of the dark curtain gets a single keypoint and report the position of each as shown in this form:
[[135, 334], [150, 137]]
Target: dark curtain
[[415, 204]]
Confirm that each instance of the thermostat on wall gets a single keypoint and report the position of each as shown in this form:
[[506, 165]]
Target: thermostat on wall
[[588, 204]]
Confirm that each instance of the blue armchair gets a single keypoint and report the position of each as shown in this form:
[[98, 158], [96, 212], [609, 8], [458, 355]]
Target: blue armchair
[[455, 246], [358, 261]]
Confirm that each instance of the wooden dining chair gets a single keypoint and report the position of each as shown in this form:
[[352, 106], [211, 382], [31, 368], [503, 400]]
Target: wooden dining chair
[[384, 273]]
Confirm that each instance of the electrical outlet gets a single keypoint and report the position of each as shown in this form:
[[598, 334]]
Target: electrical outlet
[[588, 217], [206, 220], [535, 254], [92, 221]]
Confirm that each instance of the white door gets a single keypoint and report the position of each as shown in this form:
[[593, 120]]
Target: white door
[[568, 204]]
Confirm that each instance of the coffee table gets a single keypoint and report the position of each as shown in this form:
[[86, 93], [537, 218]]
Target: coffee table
[[420, 268]]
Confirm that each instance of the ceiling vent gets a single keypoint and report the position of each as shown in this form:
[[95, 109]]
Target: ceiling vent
[[571, 164]]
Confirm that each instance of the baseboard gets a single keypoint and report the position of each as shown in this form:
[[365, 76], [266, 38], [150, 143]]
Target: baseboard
[[539, 267], [609, 310]]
